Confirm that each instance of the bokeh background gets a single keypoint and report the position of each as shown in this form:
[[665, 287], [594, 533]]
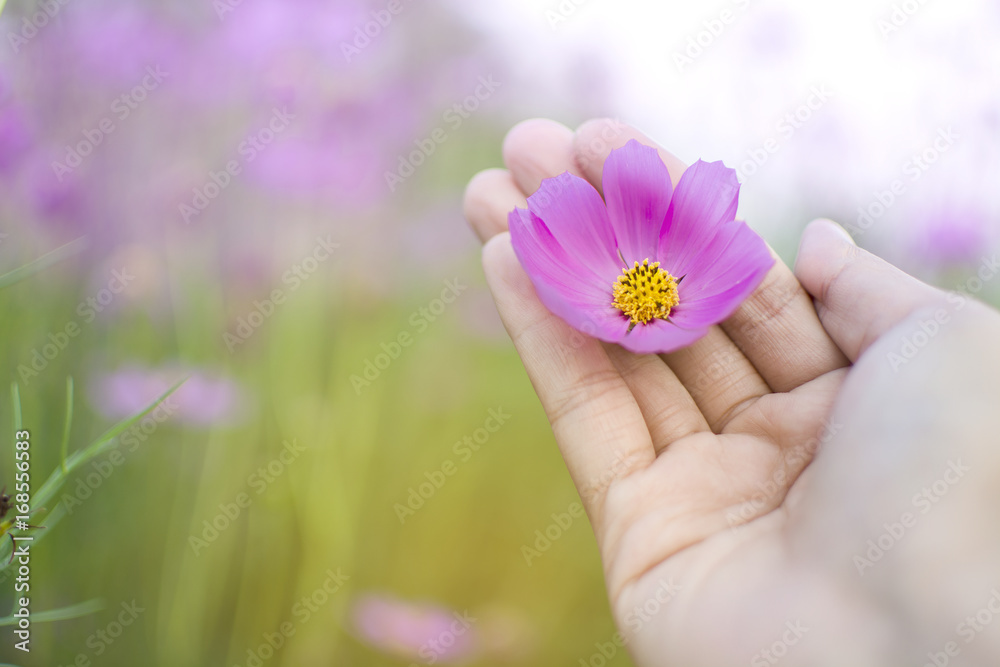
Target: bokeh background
[[268, 194]]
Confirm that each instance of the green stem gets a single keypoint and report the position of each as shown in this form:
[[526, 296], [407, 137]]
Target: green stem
[[46, 260], [64, 446]]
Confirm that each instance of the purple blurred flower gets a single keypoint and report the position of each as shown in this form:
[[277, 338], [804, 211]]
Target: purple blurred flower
[[653, 268], [203, 400], [15, 134], [339, 153], [956, 236], [414, 631], [113, 45]]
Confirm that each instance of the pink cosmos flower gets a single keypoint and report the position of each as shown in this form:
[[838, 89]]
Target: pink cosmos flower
[[648, 267], [414, 631], [205, 399]]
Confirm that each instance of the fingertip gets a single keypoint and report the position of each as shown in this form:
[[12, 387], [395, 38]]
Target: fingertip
[[531, 140], [595, 139], [827, 226], [480, 201], [823, 243]]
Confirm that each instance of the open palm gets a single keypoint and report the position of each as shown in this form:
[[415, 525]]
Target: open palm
[[719, 545]]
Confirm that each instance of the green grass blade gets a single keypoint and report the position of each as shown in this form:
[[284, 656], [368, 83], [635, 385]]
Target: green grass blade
[[51, 520], [64, 445], [3, 3], [63, 614], [79, 458], [43, 262]]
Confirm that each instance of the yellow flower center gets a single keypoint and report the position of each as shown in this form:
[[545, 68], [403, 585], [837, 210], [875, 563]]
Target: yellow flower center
[[645, 292]]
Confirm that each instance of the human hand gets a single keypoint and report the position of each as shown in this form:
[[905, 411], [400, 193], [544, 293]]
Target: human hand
[[719, 545]]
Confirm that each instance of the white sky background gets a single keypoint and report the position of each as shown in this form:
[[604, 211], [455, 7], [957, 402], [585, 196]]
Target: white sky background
[[891, 94]]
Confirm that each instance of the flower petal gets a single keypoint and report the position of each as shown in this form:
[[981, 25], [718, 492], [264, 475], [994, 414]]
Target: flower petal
[[602, 322], [576, 216], [544, 259], [566, 287], [637, 189], [706, 197], [659, 337], [726, 273]]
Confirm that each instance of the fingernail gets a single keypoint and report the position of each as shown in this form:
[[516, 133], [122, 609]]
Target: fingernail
[[843, 233]]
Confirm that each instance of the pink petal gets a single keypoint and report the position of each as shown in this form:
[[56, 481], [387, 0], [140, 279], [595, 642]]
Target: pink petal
[[726, 274], [602, 322], [706, 197], [659, 337], [576, 216], [637, 189], [545, 260]]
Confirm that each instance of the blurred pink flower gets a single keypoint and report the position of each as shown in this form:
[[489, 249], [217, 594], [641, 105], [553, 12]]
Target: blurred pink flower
[[15, 134], [340, 153], [111, 45], [204, 399], [956, 236], [65, 204], [414, 631]]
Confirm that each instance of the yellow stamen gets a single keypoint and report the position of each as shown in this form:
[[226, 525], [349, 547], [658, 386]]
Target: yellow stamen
[[645, 292]]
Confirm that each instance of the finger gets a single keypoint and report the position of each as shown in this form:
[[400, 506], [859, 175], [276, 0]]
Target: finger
[[489, 197], [714, 371], [776, 328], [596, 421], [722, 382], [595, 139], [859, 296], [667, 407], [537, 149]]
